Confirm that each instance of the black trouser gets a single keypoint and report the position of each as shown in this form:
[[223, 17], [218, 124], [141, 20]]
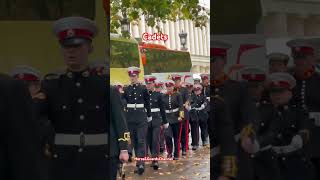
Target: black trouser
[[266, 166], [113, 165], [316, 163], [296, 168], [138, 140], [204, 130], [176, 132], [184, 134], [162, 139], [153, 140], [68, 163], [245, 165], [194, 133]]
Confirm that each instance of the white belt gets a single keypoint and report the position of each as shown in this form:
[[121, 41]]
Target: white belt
[[81, 139], [316, 117], [172, 110], [155, 110], [135, 105]]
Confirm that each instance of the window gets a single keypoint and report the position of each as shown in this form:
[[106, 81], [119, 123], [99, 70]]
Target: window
[[45, 9]]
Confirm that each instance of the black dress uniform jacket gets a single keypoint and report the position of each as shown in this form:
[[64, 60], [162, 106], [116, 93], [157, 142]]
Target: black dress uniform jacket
[[137, 94], [20, 150], [238, 101], [288, 122], [196, 114], [156, 102], [306, 95], [221, 131], [243, 113], [76, 104], [119, 133], [173, 102]]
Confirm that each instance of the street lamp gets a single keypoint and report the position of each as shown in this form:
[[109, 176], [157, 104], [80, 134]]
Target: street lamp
[[125, 25], [183, 40]]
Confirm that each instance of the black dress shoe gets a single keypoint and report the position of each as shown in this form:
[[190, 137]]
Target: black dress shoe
[[155, 165], [140, 170], [184, 153], [176, 158], [194, 148]]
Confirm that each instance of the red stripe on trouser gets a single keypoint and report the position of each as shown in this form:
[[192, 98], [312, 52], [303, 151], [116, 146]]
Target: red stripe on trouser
[[187, 135], [179, 139]]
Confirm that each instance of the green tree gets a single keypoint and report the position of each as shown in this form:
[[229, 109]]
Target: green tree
[[156, 11]]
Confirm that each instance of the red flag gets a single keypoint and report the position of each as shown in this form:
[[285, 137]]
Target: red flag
[[245, 47]]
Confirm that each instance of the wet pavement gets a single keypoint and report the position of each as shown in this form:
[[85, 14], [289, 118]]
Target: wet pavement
[[196, 165]]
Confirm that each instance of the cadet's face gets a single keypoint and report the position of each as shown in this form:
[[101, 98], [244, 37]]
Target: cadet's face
[[170, 89], [302, 65], [277, 67], [134, 78], [218, 67], [205, 81], [280, 98], [150, 86], [256, 91], [158, 89], [34, 88], [76, 57], [197, 92], [177, 82]]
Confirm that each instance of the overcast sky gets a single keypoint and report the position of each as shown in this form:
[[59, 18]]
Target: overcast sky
[[206, 3]]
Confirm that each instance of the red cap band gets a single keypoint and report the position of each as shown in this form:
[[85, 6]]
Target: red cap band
[[26, 77], [254, 77], [303, 50], [219, 52], [281, 84], [70, 33]]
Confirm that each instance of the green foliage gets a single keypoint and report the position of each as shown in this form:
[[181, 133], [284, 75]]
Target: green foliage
[[156, 11], [161, 61]]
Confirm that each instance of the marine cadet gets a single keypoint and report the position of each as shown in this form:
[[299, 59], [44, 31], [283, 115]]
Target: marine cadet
[[32, 78], [138, 113], [185, 127], [119, 134], [205, 82], [158, 85], [264, 163], [306, 93], [194, 125], [278, 62], [223, 147], [292, 127], [158, 119], [175, 114], [76, 103], [239, 104], [20, 153], [198, 116]]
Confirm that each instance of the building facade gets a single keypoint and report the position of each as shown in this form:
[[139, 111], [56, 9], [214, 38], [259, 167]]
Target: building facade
[[198, 39]]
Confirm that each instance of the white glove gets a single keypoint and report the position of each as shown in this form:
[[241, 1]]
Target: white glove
[[166, 125], [202, 106], [149, 118], [188, 108], [297, 142]]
